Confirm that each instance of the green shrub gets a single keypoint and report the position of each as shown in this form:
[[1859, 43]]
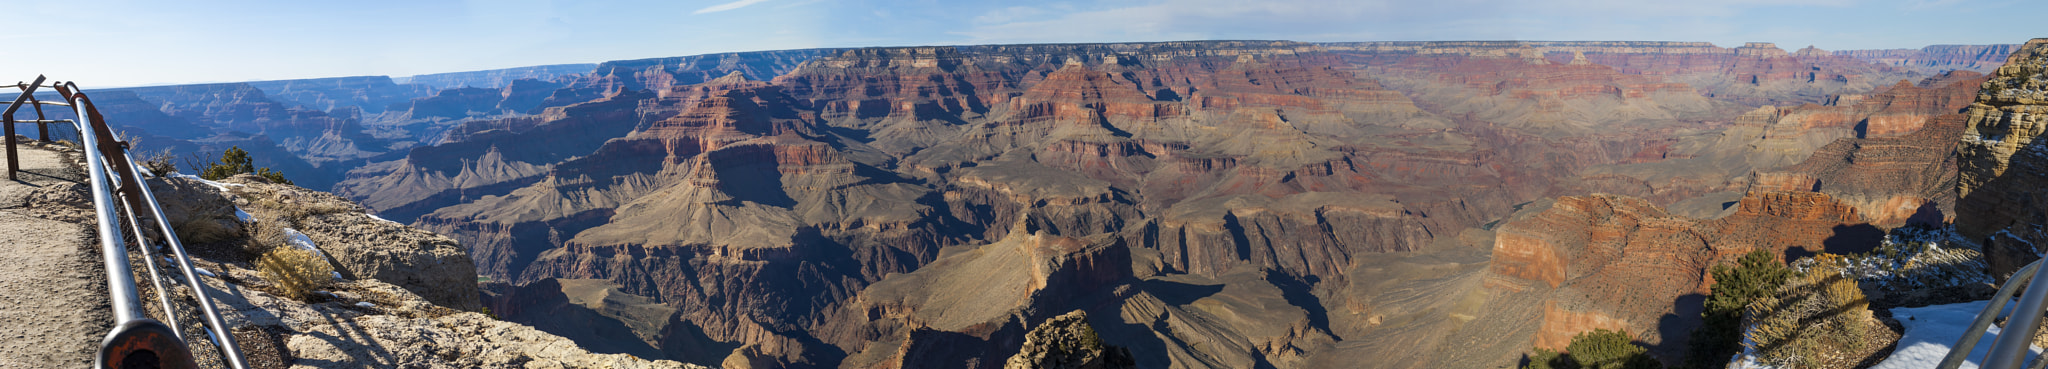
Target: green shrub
[[1756, 275], [1599, 349], [236, 161], [1546, 359]]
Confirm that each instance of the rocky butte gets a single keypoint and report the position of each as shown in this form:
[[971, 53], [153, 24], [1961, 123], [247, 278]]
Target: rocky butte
[[1200, 204], [1998, 158]]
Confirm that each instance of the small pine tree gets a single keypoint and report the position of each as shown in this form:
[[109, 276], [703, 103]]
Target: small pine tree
[[1605, 349], [1756, 275], [236, 161], [1546, 359], [1598, 349]]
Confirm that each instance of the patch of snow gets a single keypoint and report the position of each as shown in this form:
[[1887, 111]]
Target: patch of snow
[[1909, 258], [244, 216], [204, 272], [337, 276], [366, 305], [2008, 234], [374, 216], [222, 186], [1747, 358], [300, 241], [1931, 330]]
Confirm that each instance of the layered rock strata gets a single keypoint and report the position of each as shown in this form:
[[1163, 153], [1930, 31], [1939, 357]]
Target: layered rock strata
[[1940, 58], [2001, 164]]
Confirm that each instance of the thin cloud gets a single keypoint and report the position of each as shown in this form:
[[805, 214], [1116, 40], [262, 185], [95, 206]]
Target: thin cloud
[[727, 6]]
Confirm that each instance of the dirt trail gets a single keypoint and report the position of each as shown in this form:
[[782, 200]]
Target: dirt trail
[[53, 304]]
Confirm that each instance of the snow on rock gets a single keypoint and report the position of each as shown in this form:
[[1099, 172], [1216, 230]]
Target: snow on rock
[[222, 186], [300, 241], [244, 216], [1747, 358], [1931, 330]]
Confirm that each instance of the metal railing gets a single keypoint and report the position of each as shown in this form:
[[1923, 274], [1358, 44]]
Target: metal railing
[[2013, 346], [136, 340]]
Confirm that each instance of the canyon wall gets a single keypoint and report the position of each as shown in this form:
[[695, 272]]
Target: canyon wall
[[2001, 164], [1218, 204], [1939, 58]]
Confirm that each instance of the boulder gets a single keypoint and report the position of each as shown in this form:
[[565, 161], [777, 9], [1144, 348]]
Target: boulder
[[200, 212]]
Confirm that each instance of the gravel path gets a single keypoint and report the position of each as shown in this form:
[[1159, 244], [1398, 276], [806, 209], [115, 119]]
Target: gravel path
[[53, 304]]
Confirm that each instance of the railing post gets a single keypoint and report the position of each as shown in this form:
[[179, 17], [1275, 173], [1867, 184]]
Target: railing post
[[42, 122], [13, 161]]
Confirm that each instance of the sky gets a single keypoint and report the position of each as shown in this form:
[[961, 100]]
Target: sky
[[111, 43]]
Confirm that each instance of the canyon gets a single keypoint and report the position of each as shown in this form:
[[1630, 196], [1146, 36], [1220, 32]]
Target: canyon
[[1203, 204]]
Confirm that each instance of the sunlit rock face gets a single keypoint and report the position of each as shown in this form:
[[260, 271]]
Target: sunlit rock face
[[2000, 162]]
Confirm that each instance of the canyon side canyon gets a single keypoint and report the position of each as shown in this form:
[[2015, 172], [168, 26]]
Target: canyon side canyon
[[1203, 204]]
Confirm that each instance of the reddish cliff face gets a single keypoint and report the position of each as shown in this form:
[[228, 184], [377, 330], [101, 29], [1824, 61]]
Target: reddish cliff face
[[1902, 170], [1621, 263]]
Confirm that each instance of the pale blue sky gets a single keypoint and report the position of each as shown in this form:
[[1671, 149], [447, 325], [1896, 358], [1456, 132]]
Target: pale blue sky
[[120, 43]]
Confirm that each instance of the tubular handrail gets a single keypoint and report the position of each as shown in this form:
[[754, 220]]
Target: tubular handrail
[[149, 260], [110, 169], [227, 343], [1961, 350], [2013, 346]]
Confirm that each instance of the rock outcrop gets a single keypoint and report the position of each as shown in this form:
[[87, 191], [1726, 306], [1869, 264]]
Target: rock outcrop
[[369, 323], [360, 245], [199, 213], [367, 247], [2001, 163], [1901, 168], [1620, 263], [1067, 342]]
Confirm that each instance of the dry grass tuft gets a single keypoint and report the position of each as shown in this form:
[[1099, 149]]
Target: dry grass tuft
[[264, 235], [160, 164], [295, 272]]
